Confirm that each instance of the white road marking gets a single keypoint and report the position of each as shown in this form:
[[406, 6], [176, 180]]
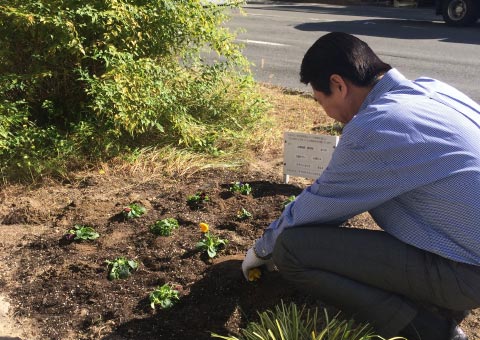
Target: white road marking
[[248, 41], [283, 17]]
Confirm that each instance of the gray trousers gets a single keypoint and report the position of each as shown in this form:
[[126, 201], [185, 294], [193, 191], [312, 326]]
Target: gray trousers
[[372, 275]]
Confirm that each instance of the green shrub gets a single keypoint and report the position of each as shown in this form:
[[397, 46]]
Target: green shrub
[[86, 80], [290, 323]]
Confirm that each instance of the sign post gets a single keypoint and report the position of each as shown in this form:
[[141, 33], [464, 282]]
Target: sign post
[[306, 155]]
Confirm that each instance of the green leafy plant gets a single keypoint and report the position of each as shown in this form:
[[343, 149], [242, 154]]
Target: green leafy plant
[[198, 200], [243, 214], [134, 210], [164, 296], [164, 227], [121, 268], [82, 233], [289, 200], [243, 188], [287, 322], [210, 243], [85, 80]]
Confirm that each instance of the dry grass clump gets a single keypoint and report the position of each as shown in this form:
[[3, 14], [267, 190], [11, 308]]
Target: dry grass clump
[[289, 111]]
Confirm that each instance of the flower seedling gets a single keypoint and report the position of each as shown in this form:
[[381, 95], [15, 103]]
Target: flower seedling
[[254, 274], [121, 268], [289, 200], [164, 296], [134, 210], [243, 214], [204, 227], [164, 227], [243, 188], [81, 233], [210, 243], [197, 200]]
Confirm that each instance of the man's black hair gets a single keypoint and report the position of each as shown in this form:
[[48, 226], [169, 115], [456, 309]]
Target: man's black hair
[[343, 54]]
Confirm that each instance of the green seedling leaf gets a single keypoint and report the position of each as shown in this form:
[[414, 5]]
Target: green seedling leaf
[[164, 296], [82, 233], [289, 200], [197, 200], [121, 268], [210, 243], [243, 214], [243, 188], [134, 210], [164, 227]]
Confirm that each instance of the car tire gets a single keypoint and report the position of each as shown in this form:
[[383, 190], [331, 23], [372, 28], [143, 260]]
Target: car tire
[[459, 12]]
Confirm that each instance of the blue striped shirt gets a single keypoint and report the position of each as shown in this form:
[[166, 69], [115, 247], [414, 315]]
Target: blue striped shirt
[[411, 157]]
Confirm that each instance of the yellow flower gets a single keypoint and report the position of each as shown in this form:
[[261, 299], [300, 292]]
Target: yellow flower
[[254, 274], [203, 227]]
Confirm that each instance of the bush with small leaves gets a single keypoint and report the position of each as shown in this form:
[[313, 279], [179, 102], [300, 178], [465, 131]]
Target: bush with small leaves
[[84, 80]]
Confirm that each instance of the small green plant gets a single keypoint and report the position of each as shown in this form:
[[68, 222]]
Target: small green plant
[[289, 200], [121, 268], [134, 210], [243, 188], [289, 322], [243, 214], [210, 243], [198, 200], [164, 227], [82, 233], [164, 296]]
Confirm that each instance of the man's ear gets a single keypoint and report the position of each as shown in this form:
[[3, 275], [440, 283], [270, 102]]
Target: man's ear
[[338, 85]]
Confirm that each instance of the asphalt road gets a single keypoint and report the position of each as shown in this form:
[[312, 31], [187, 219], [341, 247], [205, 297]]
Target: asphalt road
[[413, 40]]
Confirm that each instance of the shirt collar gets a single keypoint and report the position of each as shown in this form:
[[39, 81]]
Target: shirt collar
[[389, 80]]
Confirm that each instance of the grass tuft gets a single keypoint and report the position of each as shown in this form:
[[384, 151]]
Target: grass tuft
[[288, 322]]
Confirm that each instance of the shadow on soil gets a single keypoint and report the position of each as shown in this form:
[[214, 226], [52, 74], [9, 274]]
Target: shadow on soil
[[221, 298]]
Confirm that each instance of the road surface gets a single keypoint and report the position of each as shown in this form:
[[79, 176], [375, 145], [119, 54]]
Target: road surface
[[415, 41]]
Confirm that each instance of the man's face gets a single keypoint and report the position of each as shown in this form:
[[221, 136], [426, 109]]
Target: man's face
[[344, 101], [333, 104]]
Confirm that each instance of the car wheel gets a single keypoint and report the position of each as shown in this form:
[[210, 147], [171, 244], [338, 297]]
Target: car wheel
[[459, 12]]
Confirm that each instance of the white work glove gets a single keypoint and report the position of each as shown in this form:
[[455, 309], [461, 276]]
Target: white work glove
[[251, 261]]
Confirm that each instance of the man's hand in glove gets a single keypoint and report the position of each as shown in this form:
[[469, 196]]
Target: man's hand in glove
[[252, 261]]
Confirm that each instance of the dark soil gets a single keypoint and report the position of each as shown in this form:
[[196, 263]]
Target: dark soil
[[63, 286]]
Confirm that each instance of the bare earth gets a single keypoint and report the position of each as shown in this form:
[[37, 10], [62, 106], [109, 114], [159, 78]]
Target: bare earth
[[53, 289]]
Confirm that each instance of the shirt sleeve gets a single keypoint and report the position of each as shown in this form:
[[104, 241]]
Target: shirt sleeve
[[363, 173]]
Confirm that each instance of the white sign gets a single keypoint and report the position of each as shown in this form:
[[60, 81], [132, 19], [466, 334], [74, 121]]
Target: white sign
[[306, 155]]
